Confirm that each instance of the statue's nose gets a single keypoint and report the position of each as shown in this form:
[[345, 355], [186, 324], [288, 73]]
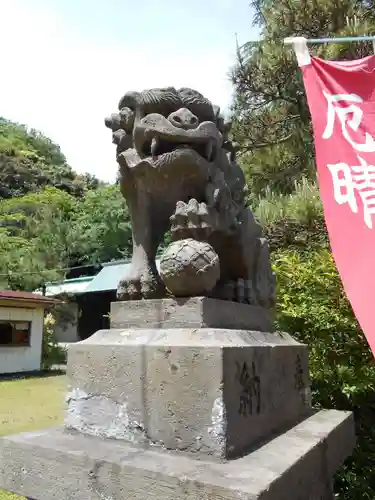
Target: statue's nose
[[183, 118]]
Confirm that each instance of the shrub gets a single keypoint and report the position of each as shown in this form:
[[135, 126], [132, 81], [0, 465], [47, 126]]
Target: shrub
[[312, 306], [52, 353]]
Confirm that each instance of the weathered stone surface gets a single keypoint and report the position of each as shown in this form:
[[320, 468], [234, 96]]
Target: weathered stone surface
[[56, 465], [178, 169], [189, 268], [196, 312], [210, 392]]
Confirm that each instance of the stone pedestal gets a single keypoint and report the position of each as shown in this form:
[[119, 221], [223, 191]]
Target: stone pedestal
[[195, 312], [205, 391], [165, 407]]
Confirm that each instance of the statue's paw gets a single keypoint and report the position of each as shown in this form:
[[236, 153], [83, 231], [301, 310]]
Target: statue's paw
[[153, 288], [239, 290], [142, 286], [129, 290], [192, 220]]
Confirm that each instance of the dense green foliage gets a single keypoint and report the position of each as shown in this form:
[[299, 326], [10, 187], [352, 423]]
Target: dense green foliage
[[31, 161], [45, 232], [273, 133], [313, 307], [52, 219], [34, 237]]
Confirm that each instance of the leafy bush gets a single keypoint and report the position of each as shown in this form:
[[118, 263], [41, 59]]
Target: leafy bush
[[313, 307], [295, 220], [52, 353]]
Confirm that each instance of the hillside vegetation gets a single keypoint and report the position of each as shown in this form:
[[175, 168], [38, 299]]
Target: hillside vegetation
[[51, 218], [30, 161]]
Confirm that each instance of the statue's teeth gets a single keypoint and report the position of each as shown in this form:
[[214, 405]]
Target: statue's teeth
[[154, 146]]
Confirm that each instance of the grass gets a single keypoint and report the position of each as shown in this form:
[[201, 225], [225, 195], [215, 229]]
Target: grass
[[28, 404]]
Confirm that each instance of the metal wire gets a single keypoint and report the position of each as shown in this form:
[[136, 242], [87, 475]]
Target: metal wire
[[343, 39]]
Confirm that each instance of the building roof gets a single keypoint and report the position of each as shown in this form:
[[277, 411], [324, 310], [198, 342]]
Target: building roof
[[74, 286], [17, 296], [108, 278]]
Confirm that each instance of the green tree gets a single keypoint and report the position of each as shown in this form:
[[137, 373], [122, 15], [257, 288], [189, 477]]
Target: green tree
[[51, 218], [35, 238], [44, 233], [102, 229]]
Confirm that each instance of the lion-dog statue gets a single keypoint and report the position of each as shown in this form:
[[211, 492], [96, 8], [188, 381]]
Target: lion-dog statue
[[178, 172]]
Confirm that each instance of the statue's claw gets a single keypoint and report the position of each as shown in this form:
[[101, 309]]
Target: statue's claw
[[193, 220]]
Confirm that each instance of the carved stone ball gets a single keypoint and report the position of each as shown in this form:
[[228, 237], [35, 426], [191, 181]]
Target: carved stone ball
[[189, 268]]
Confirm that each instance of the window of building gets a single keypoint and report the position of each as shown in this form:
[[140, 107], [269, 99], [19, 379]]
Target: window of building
[[15, 333]]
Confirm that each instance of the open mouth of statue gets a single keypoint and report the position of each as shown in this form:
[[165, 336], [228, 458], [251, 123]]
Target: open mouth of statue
[[155, 136], [157, 147]]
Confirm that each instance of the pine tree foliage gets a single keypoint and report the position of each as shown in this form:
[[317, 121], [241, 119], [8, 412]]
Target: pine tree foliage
[[271, 120]]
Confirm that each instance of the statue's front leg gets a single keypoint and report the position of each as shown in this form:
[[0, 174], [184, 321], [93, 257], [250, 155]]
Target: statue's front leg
[[142, 279]]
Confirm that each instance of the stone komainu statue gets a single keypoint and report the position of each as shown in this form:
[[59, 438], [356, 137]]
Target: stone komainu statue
[[178, 171]]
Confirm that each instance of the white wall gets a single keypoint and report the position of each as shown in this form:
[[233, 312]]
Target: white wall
[[66, 332], [20, 359]]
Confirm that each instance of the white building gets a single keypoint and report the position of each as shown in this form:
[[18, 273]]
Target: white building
[[21, 330]]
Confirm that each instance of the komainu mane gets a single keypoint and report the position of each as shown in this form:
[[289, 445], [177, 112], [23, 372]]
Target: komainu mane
[[178, 171]]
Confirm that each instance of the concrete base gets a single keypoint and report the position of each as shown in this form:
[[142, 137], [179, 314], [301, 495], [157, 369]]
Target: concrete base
[[56, 465]]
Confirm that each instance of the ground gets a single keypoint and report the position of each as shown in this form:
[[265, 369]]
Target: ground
[[28, 404]]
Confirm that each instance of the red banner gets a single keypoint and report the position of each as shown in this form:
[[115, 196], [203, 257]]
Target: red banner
[[341, 97]]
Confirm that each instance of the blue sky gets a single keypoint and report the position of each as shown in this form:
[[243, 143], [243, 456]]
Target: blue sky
[[67, 62]]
